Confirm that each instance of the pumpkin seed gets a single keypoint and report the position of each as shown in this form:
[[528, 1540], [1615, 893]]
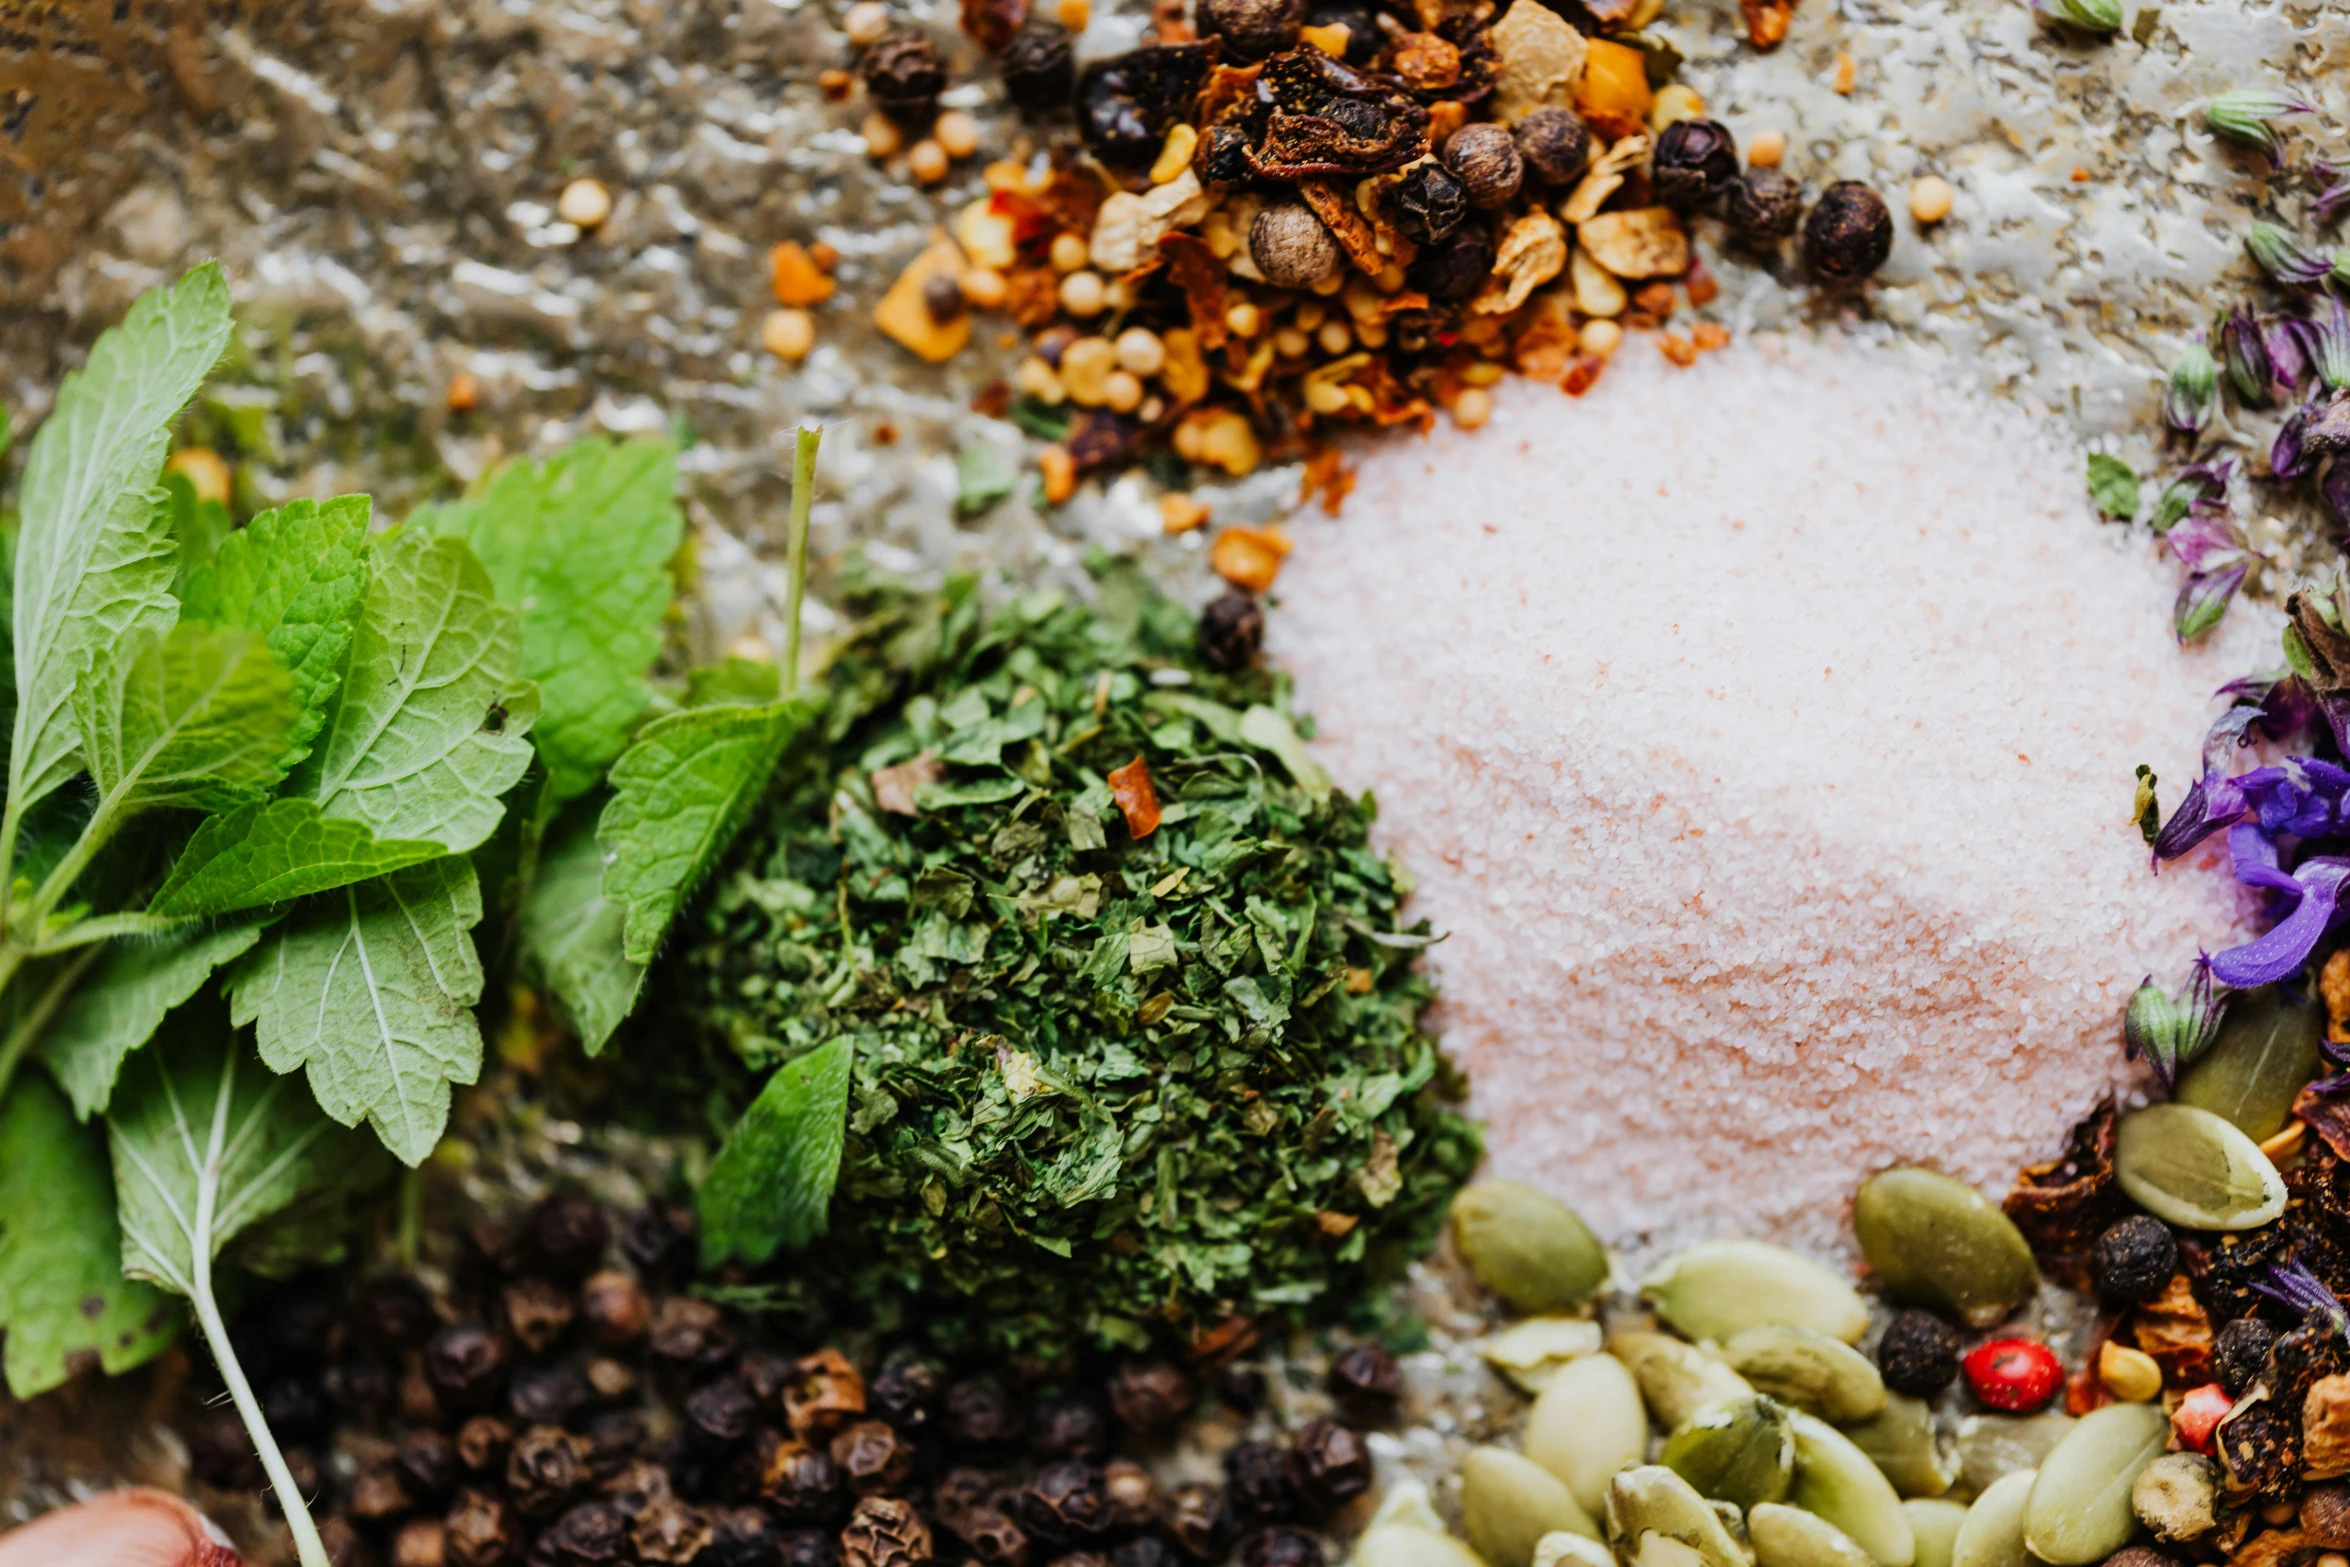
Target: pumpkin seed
[[1993, 1534], [1656, 1519], [1408, 1545], [1718, 1288], [1902, 1442], [1939, 1242], [1742, 1452], [1935, 1523], [2177, 1496], [2266, 1050], [1587, 1424], [1508, 1503], [1571, 1550], [1531, 1352], [2196, 1170], [1790, 1537], [1842, 1484], [2080, 1507], [1817, 1374], [1676, 1379], [1527, 1247], [1990, 1446]]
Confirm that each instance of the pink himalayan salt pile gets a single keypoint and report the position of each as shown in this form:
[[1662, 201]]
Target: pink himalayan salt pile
[[1764, 736]]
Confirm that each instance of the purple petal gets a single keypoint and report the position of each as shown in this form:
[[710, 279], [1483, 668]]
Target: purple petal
[[2203, 600], [2290, 457], [2287, 946], [2214, 801], [2209, 530]]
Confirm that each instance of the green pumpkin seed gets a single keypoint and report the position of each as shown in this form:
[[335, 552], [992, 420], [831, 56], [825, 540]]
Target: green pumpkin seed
[[1508, 1503], [1527, 1247], [2177, 1496], [2266, 1050], [1939, 1242], [1718, 1288], [1531, 1352], [1656, 1519], [1790, 1537], [1935, 1523], [1676, 1379], [1741, 1452], [1842, 1484], [1587, 1424], [1902, 1442], [1820, 1375], [1571, 1550], [1408, 1545], [1993, 1534], [2195, 1170], [1990, 1446], [2080, 1508]]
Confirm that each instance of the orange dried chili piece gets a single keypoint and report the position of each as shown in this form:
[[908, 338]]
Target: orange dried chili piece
[[1138, 799]]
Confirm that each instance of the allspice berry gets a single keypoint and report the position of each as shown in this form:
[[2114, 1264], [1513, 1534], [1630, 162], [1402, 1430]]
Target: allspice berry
[[1556, 145], [1039, 69], [1429, 204], [1918, 1354], [1251, 29], [904, 75], [1694, 161], [1849, 232], [1485, 159], [1765, 206], [2135, 1259], [1291, 247]]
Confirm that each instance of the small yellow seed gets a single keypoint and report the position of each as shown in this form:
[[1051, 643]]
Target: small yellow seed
[[1069, 252], [1290, 343], [1243, 319], [927, 162], [464, 392], [1179, 513], [1930, 199], [1175, 156], [584, 203], [1334, 337], [1309, 315], [1122, 392], [1330, 283], [1083, 294], [882, 136], [1482, 375], [2128, 1374], [1767, 149], [1674, 103], [1075, 15], [1140, 351], [1472, 408], [866, 24], [1034, 378], [788, 334], [1086, 368], [1153, 409], [1372, 334], [1602, 337], [957, 133], [985, 287], [1331, 40], [1060, 474], [1327, 397]]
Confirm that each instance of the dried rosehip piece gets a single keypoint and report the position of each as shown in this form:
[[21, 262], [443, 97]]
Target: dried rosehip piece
[[2016, 1375]]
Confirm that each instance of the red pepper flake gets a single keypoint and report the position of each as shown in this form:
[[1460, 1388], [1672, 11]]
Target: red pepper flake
[[1131, 787], [2199, 1415], [1582, 375], [1701, 285]]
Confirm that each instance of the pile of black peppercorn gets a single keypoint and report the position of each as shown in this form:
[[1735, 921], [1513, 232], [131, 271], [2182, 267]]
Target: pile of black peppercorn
[[567, 1404]]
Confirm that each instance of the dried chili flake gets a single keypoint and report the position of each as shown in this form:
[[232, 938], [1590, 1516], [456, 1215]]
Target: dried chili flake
[[1248, 557], [1327, 475], [1137, 798], [1767, 21], [991, 23], [1193, 267], [2064, 1204], [2174, 1329]]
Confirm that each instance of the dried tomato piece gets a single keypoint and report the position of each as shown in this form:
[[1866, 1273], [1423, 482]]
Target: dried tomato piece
[[1137, 797], [1192, 267], [2064, 1204]]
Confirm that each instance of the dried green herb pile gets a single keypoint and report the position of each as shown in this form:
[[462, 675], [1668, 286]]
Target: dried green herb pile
[[1105, 1075]]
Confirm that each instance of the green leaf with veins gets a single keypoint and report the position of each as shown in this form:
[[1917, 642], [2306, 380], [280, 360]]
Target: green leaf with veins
[[198, 523], [572, 936], [371, 989], [95, 560], [274, 852], [2113, 485], [195, 717], [771, 1185], [64, 1302], [429, 726], [581, 545], [121, 1003], [679, 792], [295, 577]]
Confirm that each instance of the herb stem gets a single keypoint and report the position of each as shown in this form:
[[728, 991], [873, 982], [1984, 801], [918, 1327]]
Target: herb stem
[[28, 1028], [803, 496], [307, 1546]]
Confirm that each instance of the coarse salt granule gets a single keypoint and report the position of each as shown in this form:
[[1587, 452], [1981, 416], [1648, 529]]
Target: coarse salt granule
[[1764, 735]]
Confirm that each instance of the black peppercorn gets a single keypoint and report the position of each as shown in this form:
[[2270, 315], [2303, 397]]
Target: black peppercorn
[[2135, 1258], [904, 75], [744, 1537], [691, 1334], [1281, 1547], [545, 1466], [393, 1312], [1134, 1493], [466, 1364], [379, 1491], [1195, 1517], [1242, 1388], [661, 1241], [872, 1457], [614, 1437], [546, 1395], [1068, 1503], [1125, 103], [220, 1453], [1918, 1354], [480, 1532], [1257, 1483], [592, 1532], [1485, 159], [566, 1233], [538, 1313], [1148, 1551], [720, 1414], [1694, 161], [362, 1388], [1329, 1462], [1848, 233], [1151, 1396], [669, 1533], [1220, 161], [905, 1390], [995, 1537], [1765, 206], [482, 1443], [1458, 268], [803, 1484], [428, 1462], [1251, 29], [826, 1395], [803, 1548], [980, 1414], [1070, 1428], [2239, 1354], [942, 297], [1366, 1381], [1556, 145], [1364, 40], [885, 1532], [295, 1407], [1291, 247], [1039, 68]]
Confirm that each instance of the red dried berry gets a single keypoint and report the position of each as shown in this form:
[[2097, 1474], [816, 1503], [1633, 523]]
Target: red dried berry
[[2014, 1374]]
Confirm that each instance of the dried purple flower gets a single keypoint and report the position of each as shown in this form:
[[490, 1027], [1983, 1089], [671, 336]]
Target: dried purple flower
[[2301, 797], [2284, 258], [2214, 801], [2204, 599], [2244, 349], [2167, 1033], [2190, 392], [2315, 885], [2336, 193], [2328, 343], [2292, 1285], [2203, 481], [2334, 488], [2247, 119]]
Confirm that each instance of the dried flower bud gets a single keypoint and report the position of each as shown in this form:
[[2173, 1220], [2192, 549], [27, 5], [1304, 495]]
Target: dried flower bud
[[1152, 1396], [546, 1465], [2244, 349], [2090, 16], [466, 1364], [904, 75], [2168, 1034], [2249, 120], [885, 1532], [1849, 232], [480, 1532], [1693, 162], [873, 1458], [566, 1233], [1039, 69], [1485, 159], [2284, 258], [691, 1334], [2204, 599], [612, 1308], [1251, 29], [482, 1443], [2193, 387], [1291, 247], [1556, 145], [803, 1484], [2201, 482], [1765, 207]]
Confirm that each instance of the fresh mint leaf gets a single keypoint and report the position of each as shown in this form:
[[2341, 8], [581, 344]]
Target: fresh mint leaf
[[580, 545], [95, 559], [679, 793], [733, 682], [121, 1003], [984, 475], [771, 1185], [64, 1302], [2113, 485], [274, 852], [371, 988], [572, 936], [198, 524], [295, 577], [429, 726], [196, 717]]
